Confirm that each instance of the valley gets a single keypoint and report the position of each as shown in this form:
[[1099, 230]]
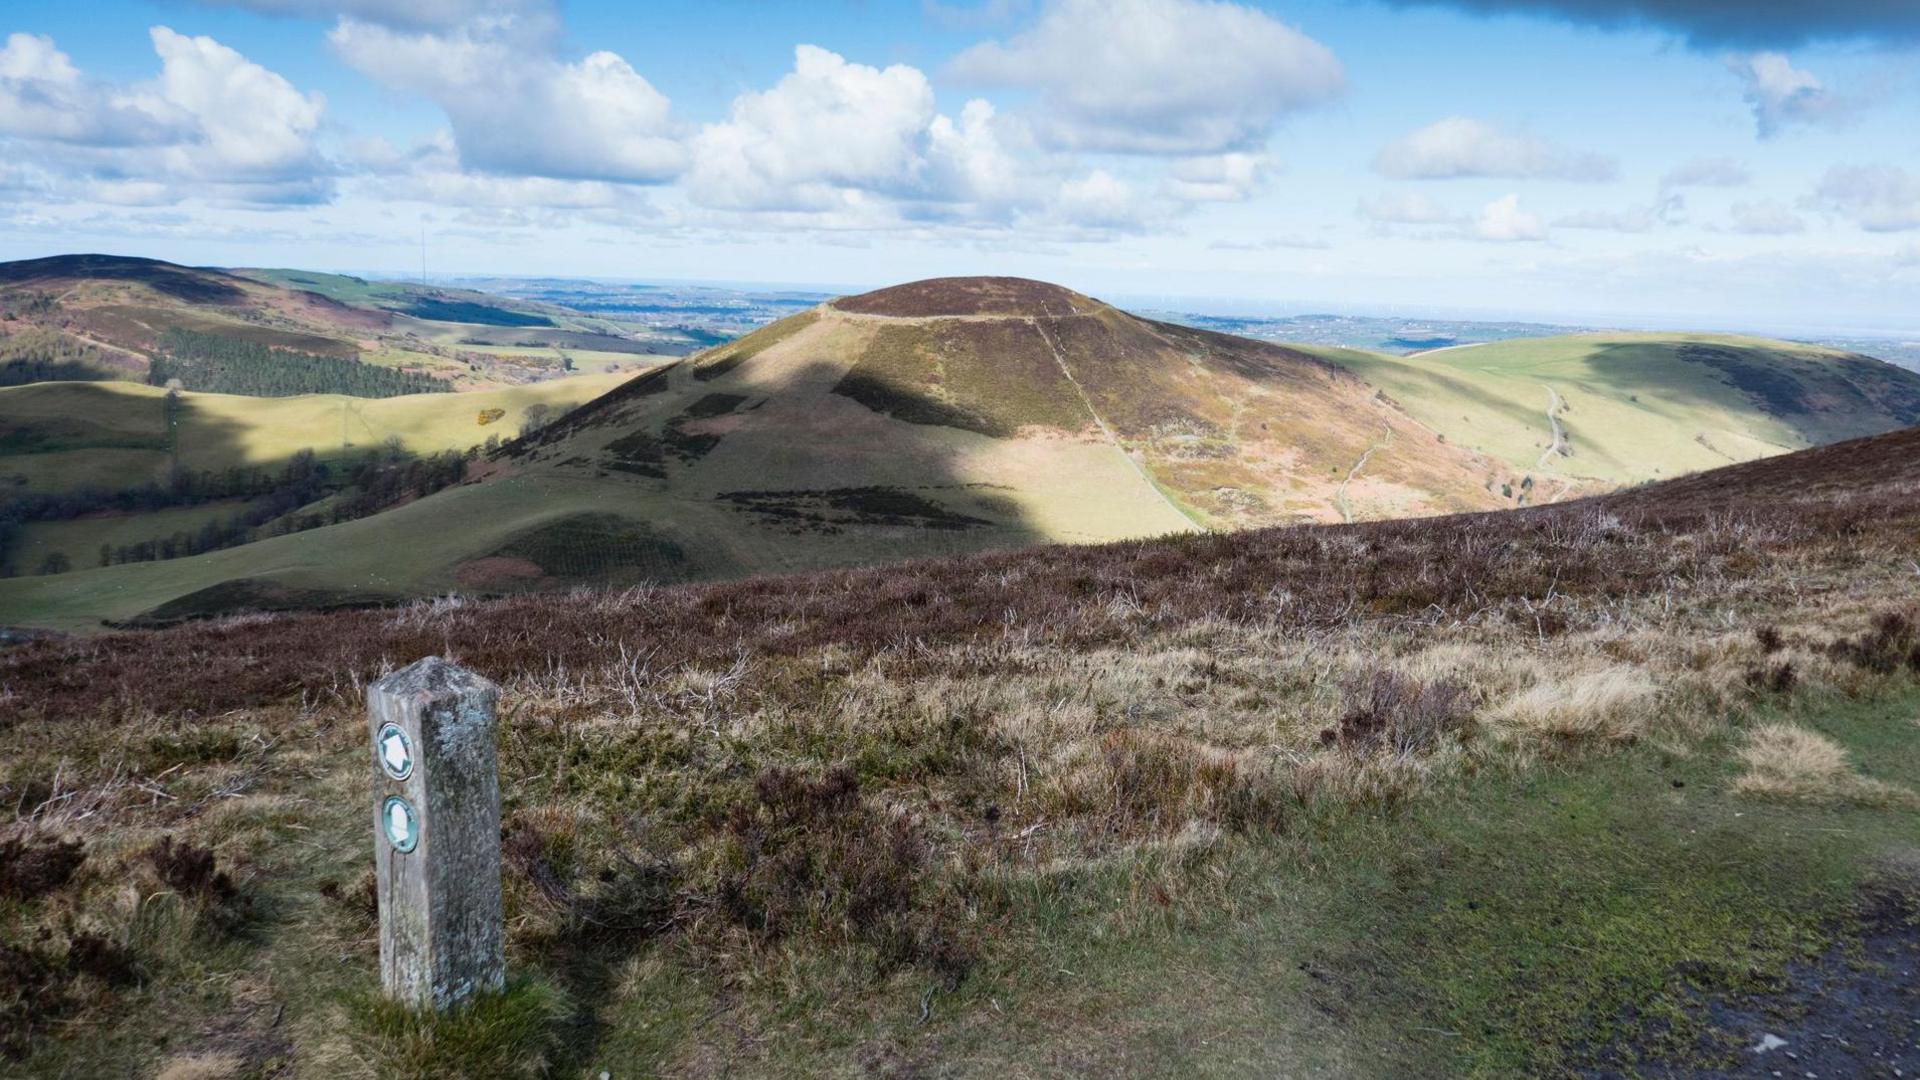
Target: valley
[[927, 420]]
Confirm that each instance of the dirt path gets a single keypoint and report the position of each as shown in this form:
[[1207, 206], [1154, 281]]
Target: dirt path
[[1447, 348], [1708, 445], [1554, 405], [1852, 1011], [1112, 438], [1340, 497]]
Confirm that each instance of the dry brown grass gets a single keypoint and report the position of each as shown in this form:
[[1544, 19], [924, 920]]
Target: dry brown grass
[[873, 765], [203, 1066], [1614, 702], [1785, 761]]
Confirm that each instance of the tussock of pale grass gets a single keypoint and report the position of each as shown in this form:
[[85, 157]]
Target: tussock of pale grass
[[207, 1066], [1614, 703], [1786, 761]]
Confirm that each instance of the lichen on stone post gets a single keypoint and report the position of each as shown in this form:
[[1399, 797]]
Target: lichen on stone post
[[436, 810]]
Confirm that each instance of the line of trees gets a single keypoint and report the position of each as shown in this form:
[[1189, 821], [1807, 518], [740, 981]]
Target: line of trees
[[220, 364], [275, 500]]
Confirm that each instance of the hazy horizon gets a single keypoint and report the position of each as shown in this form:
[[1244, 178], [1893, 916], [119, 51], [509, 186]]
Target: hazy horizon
[[1630, 162]]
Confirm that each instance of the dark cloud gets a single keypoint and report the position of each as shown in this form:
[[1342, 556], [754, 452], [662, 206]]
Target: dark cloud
[[1722, 23]]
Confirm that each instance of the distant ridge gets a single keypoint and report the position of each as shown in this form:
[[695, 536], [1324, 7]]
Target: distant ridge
[[950, 416], [193, 285]]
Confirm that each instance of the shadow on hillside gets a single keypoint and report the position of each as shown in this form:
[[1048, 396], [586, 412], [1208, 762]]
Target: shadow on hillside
[[1806, 395], [90, 450], [745, 474], [666, 479], [97, 452]]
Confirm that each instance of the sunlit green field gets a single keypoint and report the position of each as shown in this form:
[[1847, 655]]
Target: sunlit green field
[[1633, 407], [62, 436]]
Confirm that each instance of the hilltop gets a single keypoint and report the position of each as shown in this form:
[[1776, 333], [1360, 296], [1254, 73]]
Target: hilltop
[[1525, 793], [1010, 415], [929, 419]]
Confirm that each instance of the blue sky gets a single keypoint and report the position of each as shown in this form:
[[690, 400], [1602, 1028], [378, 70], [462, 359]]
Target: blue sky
[[1633, 161]]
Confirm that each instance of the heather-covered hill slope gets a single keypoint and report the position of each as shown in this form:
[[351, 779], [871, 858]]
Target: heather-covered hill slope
[[1847, 501], [956, 415], [1557, 791], [1013, 415]]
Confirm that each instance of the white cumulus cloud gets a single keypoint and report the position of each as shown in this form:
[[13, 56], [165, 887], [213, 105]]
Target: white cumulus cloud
[[1504, 220], [517, 110], [251, 123], [854, 146], [826, 128], [1463, 147], [1182, 77], [983, 158], [43, 96], [212, 123]]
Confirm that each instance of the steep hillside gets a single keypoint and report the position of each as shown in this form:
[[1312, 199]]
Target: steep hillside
[[958, 415], [1012, 414], [1593, 411], [1231, 432]]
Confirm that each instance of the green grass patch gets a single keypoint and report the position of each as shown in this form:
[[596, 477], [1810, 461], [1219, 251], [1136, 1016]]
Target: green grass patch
[[1640, 406], [1534, 920], [722, 359], [517, 1032]]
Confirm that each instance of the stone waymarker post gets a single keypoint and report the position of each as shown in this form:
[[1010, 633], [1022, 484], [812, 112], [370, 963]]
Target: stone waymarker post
[[436, 833]]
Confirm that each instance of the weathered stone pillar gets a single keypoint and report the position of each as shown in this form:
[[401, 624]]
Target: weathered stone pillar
[[437, 834]]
